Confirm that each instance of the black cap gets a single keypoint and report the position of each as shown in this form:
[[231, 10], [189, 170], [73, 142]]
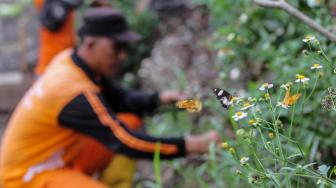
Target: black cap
[[107, 22]]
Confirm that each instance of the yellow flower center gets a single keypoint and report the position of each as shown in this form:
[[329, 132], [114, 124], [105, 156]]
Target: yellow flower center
[[299, 76], [265, 84], [233, 99], [308, 37], [266, 95], [316, 65], [271, 135], [225, 145], [239, 113], [251, 122], [232, 150]]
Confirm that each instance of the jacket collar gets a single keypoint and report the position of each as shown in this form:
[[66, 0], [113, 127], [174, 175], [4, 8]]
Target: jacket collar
[[84, 66]]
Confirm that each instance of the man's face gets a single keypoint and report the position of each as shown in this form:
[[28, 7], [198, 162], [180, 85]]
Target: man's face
[[108, 56]]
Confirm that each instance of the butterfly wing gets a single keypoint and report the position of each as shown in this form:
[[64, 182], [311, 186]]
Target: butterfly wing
[[286, 99], [223, 96], [294, 98], [191, 105], [290, 100], [180, 104]]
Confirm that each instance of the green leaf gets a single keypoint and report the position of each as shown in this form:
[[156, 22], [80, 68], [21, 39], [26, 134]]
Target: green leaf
[[314, 149], [333, 171], [294, 155], [270, 175], [288, 168], [308, 165], [212, 151]]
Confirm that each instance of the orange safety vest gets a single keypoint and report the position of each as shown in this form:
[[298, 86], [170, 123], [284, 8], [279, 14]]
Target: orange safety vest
[[34, 132], [51, 43]]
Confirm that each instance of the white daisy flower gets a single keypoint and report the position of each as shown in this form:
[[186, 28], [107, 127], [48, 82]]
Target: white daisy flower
[[314, 3], [235, 100], [284, 86], [301, 78], [252, 122], [244, 160], [247, 105], [243, 18], [234, 73], [239, 115], [265, 86], [282, 105], [316, 66], [308, 38], [231, 36], [222, 52]]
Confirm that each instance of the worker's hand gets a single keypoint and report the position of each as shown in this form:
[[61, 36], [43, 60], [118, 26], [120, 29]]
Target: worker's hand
[[170, 96], [200, 143], [98, 3]]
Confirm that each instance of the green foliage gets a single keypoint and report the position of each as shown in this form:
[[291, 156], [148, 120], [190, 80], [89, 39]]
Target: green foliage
[[286, 147], [13, 9]]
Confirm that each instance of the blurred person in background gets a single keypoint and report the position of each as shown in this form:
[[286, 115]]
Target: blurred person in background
[[57, 18], [43, 144], [57, 33]]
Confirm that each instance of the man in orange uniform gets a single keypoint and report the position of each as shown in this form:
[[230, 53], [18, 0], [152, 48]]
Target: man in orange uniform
[[74, 99], [57, 19]]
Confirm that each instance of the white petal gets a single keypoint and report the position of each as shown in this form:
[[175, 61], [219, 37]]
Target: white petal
[[284, 106], [305, 80]]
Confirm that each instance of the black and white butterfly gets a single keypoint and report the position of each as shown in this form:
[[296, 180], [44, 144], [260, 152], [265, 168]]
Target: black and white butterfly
[[224, 97]]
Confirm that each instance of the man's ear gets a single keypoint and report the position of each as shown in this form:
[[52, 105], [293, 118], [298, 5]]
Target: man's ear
[[90, 42]]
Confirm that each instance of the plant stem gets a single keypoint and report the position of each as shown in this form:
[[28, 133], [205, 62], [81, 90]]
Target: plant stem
[[276, 130], [311, 93], [156, 163]]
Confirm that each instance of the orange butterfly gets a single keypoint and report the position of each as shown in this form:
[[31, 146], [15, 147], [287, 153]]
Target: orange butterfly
[[290, 100], [191, 105]]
